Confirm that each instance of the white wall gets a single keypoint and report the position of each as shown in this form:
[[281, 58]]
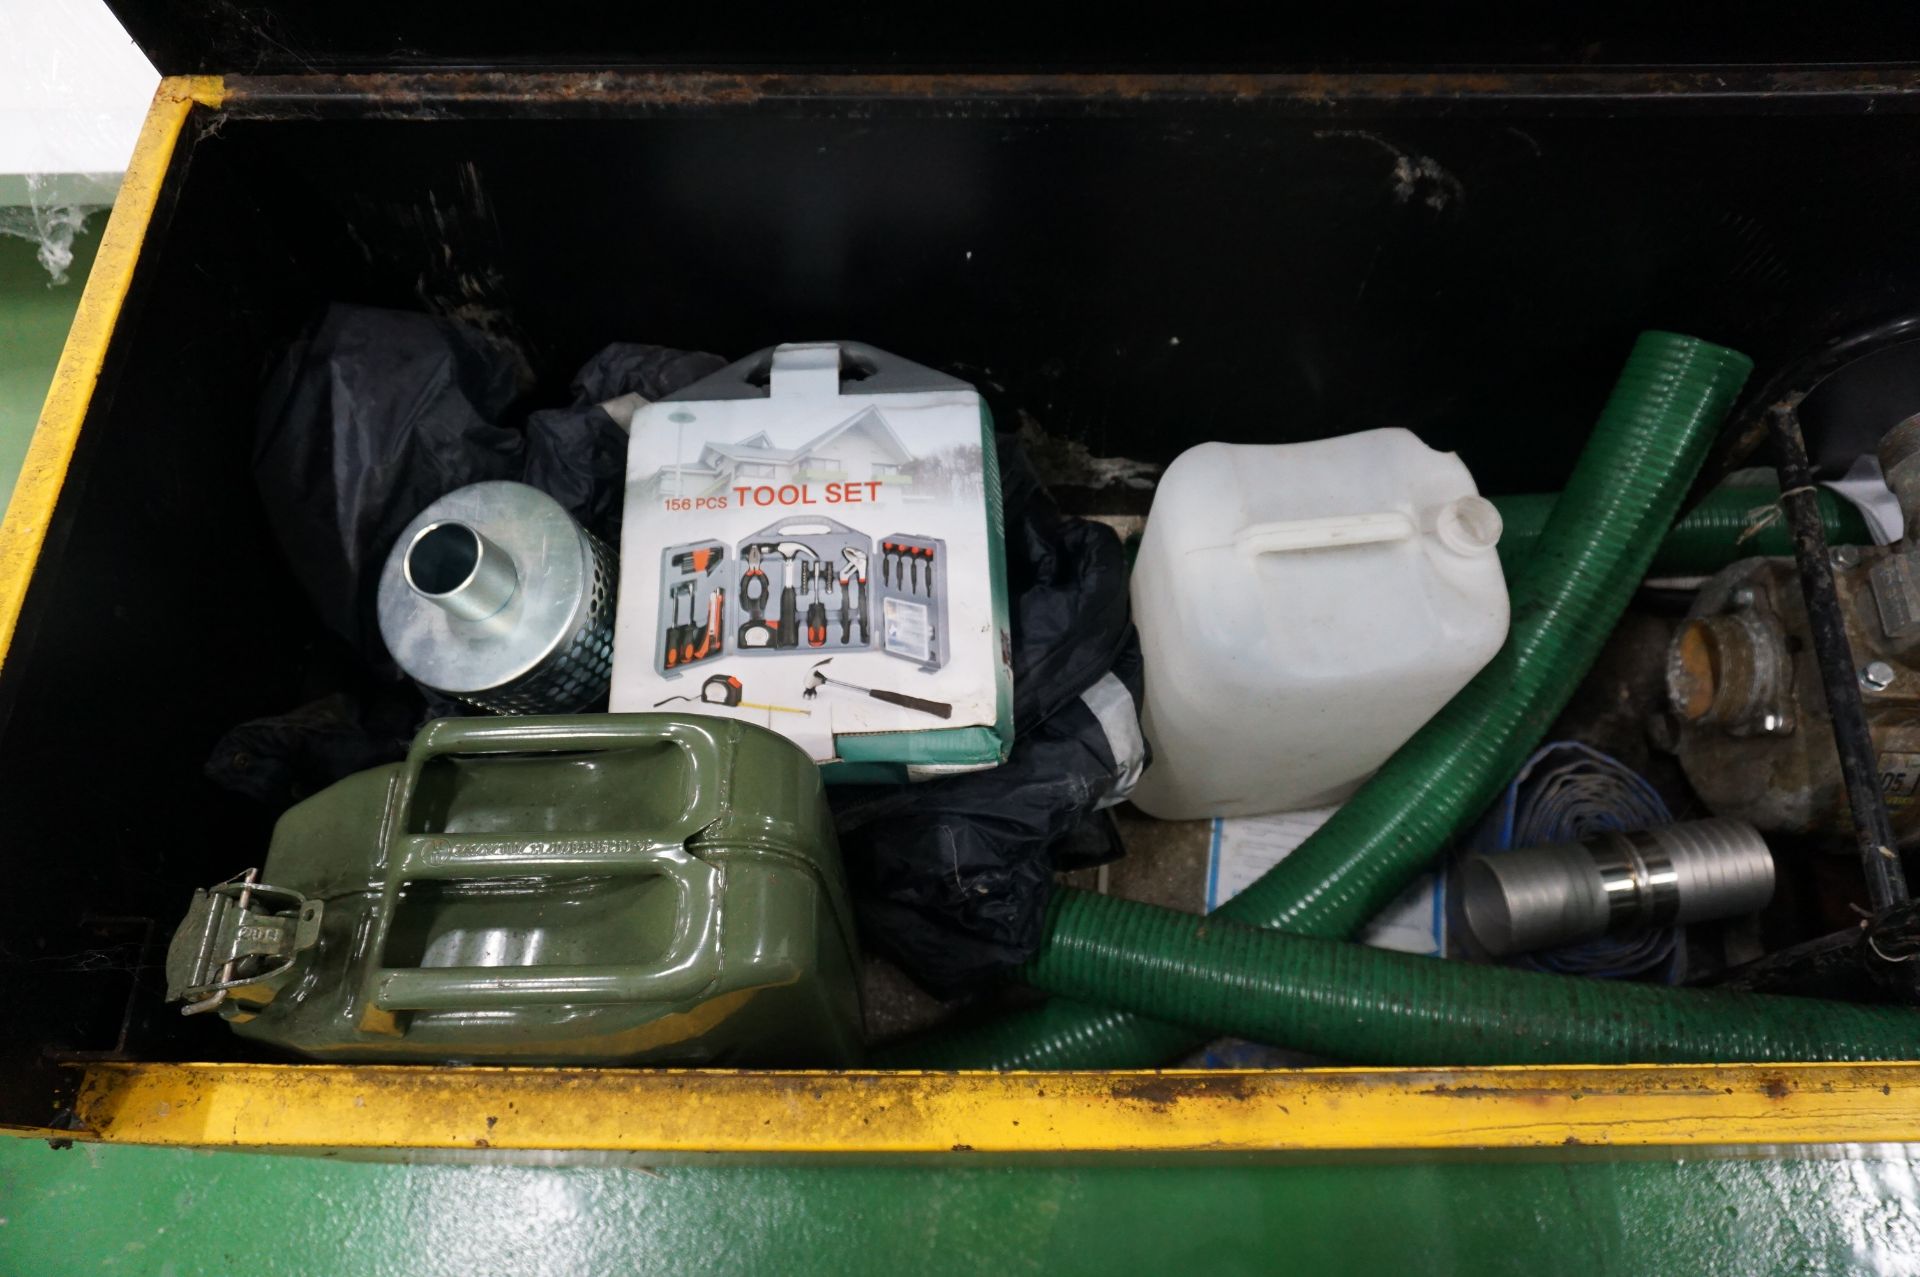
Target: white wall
[[73, 90]]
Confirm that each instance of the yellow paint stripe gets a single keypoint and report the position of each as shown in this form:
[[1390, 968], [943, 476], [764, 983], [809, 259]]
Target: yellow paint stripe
[[706, 1111], [23, 530]]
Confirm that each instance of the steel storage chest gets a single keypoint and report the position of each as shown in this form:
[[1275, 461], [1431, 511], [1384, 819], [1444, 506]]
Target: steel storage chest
[[1348, 225]]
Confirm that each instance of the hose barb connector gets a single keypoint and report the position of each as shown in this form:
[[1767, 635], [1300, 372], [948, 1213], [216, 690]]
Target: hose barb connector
[[1614, 884]]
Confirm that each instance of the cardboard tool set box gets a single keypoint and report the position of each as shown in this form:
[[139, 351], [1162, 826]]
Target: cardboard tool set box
[[813, 543]]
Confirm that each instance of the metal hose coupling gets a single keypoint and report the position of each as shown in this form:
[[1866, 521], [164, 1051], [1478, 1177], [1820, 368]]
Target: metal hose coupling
[[1615, 883]]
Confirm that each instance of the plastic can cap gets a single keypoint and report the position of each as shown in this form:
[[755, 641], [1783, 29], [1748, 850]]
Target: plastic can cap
[[1469, 525]]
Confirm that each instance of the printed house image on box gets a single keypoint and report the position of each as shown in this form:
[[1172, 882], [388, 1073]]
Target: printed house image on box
[[860, 448]]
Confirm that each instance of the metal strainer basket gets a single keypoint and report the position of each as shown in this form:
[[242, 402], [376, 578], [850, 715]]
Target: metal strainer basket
[[494, 594]]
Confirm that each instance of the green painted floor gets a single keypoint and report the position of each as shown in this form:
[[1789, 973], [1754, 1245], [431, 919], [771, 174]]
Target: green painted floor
[[174, 1214], [153, 1211], [34, 315]]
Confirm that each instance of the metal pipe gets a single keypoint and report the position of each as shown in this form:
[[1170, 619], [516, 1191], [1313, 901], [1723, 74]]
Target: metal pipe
[[1543, 897], [453, 566], [1859, 768]]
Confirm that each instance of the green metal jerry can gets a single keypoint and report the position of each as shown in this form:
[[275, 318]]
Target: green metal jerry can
[[602, 889]]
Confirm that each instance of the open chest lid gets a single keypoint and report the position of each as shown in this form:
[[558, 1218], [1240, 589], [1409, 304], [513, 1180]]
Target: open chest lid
[[282, 37]]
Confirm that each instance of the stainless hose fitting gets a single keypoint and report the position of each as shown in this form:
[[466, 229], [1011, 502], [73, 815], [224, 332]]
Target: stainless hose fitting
[[1544, 897]]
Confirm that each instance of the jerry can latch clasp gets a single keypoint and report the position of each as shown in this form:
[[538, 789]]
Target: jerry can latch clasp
[[238, 944]]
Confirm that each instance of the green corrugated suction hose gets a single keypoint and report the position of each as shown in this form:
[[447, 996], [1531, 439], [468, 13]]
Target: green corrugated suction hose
[[1729, 523], [1356, 1003], [1650, 440]]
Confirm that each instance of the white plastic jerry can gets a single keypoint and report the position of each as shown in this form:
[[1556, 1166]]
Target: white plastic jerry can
[[1303, 609]]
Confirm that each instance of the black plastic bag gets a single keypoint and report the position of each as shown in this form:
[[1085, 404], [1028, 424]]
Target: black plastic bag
[[366, 419], [951, 876], [280, 760], [578, 455], [651, 372], [374, 414], [369, 417]]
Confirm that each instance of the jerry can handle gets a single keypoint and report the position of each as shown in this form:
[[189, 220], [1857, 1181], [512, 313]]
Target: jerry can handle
[[556, 734], [1324, 533], [1467, 525], [700, 739], [689, 963]]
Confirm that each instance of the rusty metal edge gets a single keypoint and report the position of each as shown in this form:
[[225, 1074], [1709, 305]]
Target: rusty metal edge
[[891, 1115], [616, 93]]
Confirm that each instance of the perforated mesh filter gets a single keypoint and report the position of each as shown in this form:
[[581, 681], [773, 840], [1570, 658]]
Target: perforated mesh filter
[[577, 674], [512, 612]]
